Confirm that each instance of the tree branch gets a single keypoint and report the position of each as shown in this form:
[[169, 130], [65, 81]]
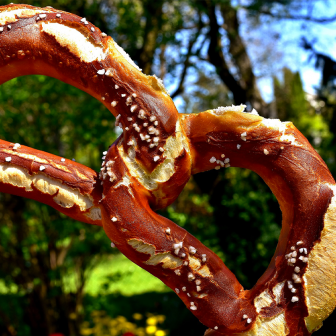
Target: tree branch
[[293, 17], [153, 11], [186, 63], [63, 251], [240, 57], [216, 58]]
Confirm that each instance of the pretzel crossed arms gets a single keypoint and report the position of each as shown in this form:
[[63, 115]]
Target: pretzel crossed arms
[[148, 166]]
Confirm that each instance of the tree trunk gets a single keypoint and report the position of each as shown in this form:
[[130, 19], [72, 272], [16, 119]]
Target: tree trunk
[[153, 14], [241, 80]]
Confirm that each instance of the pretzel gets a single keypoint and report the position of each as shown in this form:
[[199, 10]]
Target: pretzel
[[148, 166]]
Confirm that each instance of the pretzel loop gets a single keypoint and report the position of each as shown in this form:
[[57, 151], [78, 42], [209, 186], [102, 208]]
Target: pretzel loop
[[285, 160]]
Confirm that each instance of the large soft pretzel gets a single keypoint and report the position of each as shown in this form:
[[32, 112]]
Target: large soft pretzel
[[147, 167]]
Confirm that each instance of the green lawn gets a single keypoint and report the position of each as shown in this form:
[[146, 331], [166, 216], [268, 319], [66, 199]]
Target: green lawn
[[115, 275], [119, 275]]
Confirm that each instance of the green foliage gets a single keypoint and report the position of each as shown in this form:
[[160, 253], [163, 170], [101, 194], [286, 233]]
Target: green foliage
[[204, 94], [116, 274], [239, 219], [292, 105], [46, 114], [40, 247], [249, 223]]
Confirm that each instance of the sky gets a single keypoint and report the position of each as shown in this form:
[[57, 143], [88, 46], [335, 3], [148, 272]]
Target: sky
[[273, 44], [286, 50]]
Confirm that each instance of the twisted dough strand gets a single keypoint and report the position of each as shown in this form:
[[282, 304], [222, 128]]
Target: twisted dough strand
[[148, 166], [67, 186]]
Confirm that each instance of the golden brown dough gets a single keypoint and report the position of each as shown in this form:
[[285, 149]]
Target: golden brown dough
[[148, 166]]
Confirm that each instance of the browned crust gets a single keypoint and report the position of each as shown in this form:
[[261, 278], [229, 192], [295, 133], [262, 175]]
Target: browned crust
[[277, 152], [295, 173], [27, 49], [79, 184], [130, 206]]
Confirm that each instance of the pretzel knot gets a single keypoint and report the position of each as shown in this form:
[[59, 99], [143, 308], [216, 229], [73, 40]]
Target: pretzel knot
[[148, 166]]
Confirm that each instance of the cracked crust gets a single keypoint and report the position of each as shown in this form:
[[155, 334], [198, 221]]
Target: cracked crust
[[320, 277], [78, 53], [68, 187], [149, 165]]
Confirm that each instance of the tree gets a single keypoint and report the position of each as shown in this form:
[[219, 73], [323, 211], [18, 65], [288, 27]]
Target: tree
[[39, 247]]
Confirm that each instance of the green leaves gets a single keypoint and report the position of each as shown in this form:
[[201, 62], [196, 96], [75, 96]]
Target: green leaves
[[39, 247]]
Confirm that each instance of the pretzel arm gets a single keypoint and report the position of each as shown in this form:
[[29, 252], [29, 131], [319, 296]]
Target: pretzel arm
[[67, 186], [54, 43], [169, 252], [298, 288]]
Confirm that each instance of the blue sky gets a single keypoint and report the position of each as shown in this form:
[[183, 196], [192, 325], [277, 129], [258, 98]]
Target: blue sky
[[274, 44], [287, 50]]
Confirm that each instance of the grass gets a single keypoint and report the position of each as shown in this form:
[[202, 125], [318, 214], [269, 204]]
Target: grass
[[117, 274]]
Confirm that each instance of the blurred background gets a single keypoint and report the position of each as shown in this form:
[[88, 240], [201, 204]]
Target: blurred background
[[60, 277]]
